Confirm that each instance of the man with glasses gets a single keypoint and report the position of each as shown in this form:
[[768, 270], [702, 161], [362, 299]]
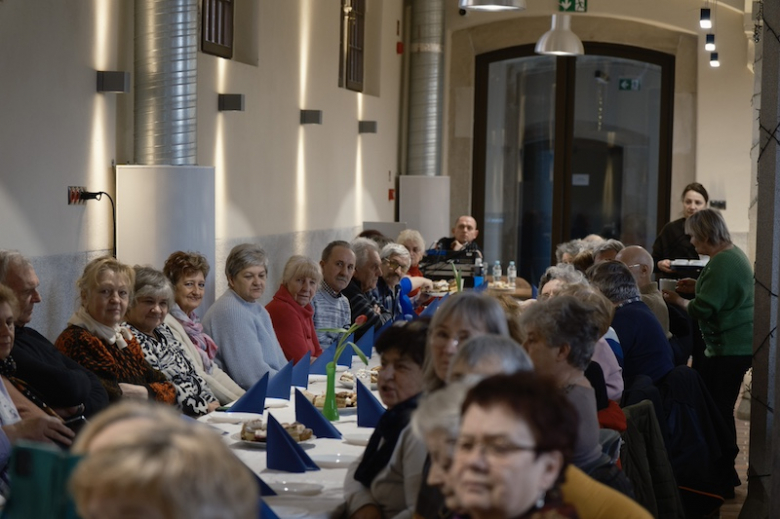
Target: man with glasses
[[395, 264], [640, 263]]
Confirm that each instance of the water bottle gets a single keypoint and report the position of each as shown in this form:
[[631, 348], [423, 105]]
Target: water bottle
[[497, 272], [511, 275], [478, 267]]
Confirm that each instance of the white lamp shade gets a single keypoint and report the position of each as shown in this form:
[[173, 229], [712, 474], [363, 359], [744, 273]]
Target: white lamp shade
[[560, 40], [492, 5]]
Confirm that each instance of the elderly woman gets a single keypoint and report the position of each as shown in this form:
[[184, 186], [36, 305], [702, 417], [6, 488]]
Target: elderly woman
[[145, 316], [487, 355], [291, 311], [517, 436], [386, 479], [95, 339], [723, 306], [248, 347], [395, 264], [187, 271], [558, 275], [674, 241], [153, 467], [460, 317], [414, 243]]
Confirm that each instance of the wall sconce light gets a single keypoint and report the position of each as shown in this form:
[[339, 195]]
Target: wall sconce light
[[230, 102], [560, 40], [705, 19], [113, 81], [311, 116], [709, 43], [714, 60], [492, 5], [367, 126]]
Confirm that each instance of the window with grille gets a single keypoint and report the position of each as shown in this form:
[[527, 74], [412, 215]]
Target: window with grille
[[217, 28], [352, 44]]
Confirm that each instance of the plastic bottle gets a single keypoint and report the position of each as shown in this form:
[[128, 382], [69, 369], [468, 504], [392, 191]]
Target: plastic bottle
[[478, 267], [497, 272], [511, 274]]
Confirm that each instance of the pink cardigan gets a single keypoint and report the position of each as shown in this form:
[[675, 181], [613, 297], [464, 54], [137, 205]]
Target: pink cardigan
[[294, 326]]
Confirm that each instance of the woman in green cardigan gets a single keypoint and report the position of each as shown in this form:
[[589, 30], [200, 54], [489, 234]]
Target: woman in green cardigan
[[723, 306]]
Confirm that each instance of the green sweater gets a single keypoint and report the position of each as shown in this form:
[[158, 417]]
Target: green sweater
[[724, 304]]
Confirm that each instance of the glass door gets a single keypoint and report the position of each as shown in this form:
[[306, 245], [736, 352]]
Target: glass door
[[566, 147]]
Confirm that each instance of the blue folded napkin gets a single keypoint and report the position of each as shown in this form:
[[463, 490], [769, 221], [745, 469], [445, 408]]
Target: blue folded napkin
[[318, 366], [253, 401], [534, 292], [284, 453], [266, 512], [300, 373], [279, 386], [346, 355], [382, 329], [431, 308], [480, 284], [369, 409], [265, 490], [311, 417], [366, 342]]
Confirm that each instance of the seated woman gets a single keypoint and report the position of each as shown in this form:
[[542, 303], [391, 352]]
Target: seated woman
[[516, 438], [291, 311], [386, 480], [95, 340], [187, 272], [414, 243], [248, 347], [152, 295], [40, 428], [156, 468]]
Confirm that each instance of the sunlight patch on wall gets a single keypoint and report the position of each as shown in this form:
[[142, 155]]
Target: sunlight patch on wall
[[300, 182], [220, 181]]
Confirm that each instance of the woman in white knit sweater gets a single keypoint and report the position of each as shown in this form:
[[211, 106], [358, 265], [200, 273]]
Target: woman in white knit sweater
[[248, 347]]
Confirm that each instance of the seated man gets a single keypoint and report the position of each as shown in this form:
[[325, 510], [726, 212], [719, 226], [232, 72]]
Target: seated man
[[57, 380], [640, 263], [646, 351], [463, 235], [386, 480], [395, 264], [331, 306], [360, 290]]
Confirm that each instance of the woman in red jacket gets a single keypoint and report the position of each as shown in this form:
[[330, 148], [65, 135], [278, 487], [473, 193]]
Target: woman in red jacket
[[291, 310]]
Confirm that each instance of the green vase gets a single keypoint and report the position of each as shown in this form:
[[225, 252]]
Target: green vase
[[330, 409]]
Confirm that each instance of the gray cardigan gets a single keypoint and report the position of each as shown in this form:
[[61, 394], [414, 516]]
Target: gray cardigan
[[248, 347]]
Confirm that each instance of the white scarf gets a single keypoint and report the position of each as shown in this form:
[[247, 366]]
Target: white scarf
[[112, 335]]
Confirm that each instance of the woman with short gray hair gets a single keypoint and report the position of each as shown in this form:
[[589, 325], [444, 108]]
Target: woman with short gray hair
[[557, 276], [487, 355], [248, 347], [152, 298]]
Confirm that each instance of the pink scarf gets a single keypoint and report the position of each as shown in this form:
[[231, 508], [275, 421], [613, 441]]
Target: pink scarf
[[206, 346]]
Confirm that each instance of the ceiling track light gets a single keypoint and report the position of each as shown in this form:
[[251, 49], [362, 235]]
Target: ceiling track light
[[709, 42], [492, 5], [560, 40], [705, 19], [714, 60]]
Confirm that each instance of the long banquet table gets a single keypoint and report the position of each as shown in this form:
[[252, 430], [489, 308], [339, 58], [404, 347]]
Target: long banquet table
[[329, 502]]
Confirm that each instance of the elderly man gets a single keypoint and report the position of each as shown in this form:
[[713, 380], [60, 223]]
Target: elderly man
[[646, 351], [463, 235], [640, 263], [331, 307], [396, 261], [58, 381], [360, 291], [607, 250]]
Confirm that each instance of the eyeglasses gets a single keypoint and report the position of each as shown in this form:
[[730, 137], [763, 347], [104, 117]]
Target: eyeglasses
[[394, 265], [634, 265], [492, 448]]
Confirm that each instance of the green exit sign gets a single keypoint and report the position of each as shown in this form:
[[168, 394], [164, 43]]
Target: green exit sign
[[627, 83], [573, 6]]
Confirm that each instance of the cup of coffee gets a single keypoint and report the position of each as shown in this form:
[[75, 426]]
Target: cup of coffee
[[667, 284]]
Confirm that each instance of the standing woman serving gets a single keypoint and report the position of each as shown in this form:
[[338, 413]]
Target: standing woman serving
[[95, 340], [723, 306], [673, 242], [292, 313]]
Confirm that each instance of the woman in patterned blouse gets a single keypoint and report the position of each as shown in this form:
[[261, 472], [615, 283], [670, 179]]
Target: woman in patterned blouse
[[149, 306], [95, 340]]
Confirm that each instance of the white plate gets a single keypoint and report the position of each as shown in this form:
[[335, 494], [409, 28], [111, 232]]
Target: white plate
[[435, 294], [349, 384], [340, 368], [223, 417], [275, 403], [313, 377], [333, 461], [290, 511], [262, 445], [297, 489], [360, 439]]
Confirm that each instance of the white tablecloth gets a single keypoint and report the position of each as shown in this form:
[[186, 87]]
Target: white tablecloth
[[331, 499]]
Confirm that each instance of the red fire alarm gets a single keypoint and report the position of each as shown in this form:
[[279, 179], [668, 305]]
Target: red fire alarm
[[399, 47], [391, 194]]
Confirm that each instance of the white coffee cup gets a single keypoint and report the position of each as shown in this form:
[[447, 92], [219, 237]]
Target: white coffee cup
[[667, 284]]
